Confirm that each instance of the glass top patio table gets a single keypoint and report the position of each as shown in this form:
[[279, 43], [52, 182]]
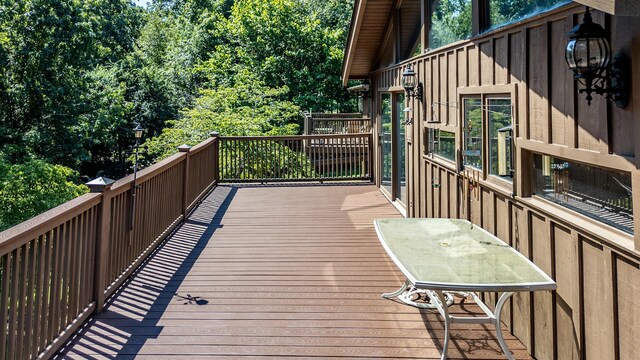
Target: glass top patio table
[[454, 255]]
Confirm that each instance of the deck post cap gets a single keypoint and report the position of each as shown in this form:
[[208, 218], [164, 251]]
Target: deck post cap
[[214, 134], [184, 148], [100, 184]]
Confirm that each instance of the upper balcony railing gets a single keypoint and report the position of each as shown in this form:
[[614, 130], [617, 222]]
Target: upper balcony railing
[[59, 267], [327, 124]]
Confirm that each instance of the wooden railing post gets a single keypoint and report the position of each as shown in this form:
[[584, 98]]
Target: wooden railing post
[[103, 236], [216, 156], [184, 148]]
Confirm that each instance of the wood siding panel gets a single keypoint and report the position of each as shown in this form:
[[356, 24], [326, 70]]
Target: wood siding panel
[[463, 67], [562, 87], [501, 60], [473, 58], [542, 300], [598, 308], [522, 312], [486, 63], [624, 37], [452, 88], [538, 81], [518, 71], [628, 276], [568, 312]]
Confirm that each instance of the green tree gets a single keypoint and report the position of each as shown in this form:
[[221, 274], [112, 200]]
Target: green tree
[[245, 108], [31, 188]]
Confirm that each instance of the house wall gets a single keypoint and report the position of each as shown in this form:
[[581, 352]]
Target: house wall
[[595, 312]]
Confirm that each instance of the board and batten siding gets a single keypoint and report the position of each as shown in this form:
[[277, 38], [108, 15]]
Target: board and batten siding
[[595, 312]]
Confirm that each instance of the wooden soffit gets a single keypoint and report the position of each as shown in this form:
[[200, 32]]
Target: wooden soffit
[[614, 7], [365, 34]]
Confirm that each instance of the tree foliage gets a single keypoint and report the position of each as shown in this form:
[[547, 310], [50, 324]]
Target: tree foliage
[[77, 75], [33, 187]]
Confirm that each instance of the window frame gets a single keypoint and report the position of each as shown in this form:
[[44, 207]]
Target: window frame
[[563, 206], [485, 93], [429, 148], [480, 20]]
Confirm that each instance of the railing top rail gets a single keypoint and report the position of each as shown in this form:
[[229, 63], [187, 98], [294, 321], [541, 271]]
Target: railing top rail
[[203, 145], [22, 233], [342, 119], [343, 115], [297, 137], [147, 173]]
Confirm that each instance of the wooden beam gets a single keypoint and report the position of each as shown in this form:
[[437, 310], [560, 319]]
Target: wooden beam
[[353, 40], [386, 35], [614, 7], [424, 24]]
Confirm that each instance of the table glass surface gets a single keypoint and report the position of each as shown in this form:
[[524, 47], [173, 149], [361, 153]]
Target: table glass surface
[[451, 251]]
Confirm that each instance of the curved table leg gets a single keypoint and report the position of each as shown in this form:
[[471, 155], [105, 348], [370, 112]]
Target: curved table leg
[[391, 295], [442, 308], [503, 299]]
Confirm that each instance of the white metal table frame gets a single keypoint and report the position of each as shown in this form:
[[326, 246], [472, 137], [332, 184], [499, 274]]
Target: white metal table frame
[[441, 293]]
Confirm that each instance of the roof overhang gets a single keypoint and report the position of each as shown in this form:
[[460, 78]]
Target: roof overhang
[[365, 34]]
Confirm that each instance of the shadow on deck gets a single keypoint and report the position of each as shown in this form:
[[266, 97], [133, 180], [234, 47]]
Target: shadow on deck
[[273, 272]]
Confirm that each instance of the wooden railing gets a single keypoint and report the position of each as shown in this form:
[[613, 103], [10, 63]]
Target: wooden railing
[[58, 268], [296, 158], [327, 124]]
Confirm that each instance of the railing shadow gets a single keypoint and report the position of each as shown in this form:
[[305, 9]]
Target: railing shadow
[[132, 314]]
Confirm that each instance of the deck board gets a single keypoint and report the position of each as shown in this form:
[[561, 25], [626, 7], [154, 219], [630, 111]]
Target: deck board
[[272, 272]]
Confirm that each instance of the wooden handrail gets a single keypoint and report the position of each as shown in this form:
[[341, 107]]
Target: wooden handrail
[[296, 158], [18, 235], [60, 266]]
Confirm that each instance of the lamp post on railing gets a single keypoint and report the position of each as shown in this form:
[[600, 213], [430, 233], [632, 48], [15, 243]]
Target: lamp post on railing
[[137, 132]]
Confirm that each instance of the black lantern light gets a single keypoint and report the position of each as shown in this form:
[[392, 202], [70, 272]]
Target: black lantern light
[[137, 132], [588, 54], [410, 84]]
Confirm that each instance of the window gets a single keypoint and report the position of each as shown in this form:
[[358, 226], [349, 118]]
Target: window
[[472, 145], [450, 21], [502, 12], [444, 144], [499, 116], [601, 194], [490, 117]]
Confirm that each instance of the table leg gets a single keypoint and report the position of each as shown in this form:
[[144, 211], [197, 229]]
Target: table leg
[[441, 305], [391, 295], [503, 299]]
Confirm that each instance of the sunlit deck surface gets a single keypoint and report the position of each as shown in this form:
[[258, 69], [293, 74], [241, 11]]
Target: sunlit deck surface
[[273, 272]]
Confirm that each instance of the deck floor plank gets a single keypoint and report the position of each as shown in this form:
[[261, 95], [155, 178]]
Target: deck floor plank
[[265, 272]]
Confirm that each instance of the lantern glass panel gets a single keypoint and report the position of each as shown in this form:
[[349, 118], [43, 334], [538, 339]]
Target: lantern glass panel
[[588, 55], [409, 81]]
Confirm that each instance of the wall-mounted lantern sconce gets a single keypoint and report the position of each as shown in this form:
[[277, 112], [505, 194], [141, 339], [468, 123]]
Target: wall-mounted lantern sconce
[[588, 54], [411, 86]]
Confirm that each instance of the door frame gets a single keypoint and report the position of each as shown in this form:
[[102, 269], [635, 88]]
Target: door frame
[[396, 115]]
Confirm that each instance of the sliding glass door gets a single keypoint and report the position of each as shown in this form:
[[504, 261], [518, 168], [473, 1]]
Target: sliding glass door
[[392, 147]]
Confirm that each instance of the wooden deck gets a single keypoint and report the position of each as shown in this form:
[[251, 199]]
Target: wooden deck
[[275, 272]]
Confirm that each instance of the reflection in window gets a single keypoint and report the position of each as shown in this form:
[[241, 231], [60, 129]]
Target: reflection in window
[[444, 144], [450, 22], [472, 142], [499, 116], [502, 12], [385, 132], [601, 194]]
